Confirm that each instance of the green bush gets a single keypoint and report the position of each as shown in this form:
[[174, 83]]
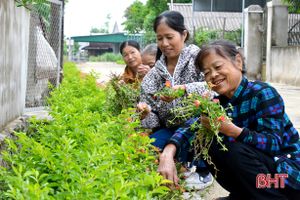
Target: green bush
[[203, 36], [234, 36], [83, 153], [106, 57]]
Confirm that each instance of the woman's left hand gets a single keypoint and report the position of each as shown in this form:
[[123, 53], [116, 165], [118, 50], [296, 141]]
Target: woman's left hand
[[226, 127]]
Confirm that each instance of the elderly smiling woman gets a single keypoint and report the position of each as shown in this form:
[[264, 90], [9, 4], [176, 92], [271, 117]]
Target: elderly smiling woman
[[260, 138]]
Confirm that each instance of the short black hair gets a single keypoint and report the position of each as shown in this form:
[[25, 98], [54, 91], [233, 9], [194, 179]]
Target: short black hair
[[223, 48], [131, 43]]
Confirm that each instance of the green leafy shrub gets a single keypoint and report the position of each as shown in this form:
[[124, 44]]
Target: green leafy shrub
[[106, 57], [28, 3], [203, 36], [83, 153], [234, 36], [120, 96]]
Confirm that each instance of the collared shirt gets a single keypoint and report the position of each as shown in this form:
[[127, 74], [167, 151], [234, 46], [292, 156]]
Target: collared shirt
[[259, 110], [129, 77]]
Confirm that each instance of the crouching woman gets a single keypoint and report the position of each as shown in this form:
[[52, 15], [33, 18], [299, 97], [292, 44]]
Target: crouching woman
[[261, 140]]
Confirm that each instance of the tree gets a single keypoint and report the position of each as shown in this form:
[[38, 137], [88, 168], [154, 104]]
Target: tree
[[95, 30], [140, 17], [293, 5], [135, 15], [153, 9]]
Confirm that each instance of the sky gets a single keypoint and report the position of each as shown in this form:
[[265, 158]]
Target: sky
[[82, 15]]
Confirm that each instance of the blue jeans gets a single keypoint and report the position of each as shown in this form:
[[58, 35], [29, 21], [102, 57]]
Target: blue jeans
[[163, 135]]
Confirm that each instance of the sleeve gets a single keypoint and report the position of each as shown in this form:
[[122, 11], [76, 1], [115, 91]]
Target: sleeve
[[152, 120], [183, 135], [269, 118], [196, 87]]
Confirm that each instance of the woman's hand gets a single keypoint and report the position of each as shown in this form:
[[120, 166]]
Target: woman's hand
[[166, 98], [167, 167], [226, 127], [169, 99], [144, 109], [142, 70], [177, 87]]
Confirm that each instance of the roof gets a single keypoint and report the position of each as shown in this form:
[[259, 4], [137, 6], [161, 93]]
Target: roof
[[212, 20], [106, 38], [98, 46]]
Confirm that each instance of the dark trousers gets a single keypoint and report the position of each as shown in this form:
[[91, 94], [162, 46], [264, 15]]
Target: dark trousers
[[238, 168], [162, 136]]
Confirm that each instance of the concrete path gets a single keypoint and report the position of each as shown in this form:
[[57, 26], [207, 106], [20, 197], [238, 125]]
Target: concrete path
[[290, 95]]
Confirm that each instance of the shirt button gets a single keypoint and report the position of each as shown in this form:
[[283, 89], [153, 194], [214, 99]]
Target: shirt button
[[288, 156]]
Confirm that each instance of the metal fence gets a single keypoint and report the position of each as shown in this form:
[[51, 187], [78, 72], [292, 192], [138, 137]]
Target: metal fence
[[294, 29], [44, 55]]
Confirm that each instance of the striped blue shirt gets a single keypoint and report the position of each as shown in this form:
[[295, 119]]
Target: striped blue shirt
[[259, 110]]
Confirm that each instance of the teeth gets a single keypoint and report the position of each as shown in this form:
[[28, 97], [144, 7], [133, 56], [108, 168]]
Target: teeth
[[218, 82]]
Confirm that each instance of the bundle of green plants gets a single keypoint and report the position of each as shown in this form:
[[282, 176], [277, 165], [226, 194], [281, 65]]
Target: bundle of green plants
[[169, 91], [120, 96], [83, 153], [194, 106]]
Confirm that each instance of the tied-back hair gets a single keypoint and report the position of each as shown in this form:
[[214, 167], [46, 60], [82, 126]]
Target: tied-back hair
[[150, 49], [174, 20], [223, 48], [131, 43]]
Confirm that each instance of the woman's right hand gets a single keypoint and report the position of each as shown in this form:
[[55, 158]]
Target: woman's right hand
[[167, 167], [144, 109], [142, 70]]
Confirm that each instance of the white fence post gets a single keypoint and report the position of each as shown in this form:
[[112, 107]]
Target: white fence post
[[253, 41], [277, 31]]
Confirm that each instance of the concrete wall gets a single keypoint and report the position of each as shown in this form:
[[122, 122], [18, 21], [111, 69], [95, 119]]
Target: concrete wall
[[282, 61], [14, 36], [285, 65]]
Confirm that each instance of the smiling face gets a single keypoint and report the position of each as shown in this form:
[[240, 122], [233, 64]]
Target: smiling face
[[170, 41], [132, 57], [224, 73]]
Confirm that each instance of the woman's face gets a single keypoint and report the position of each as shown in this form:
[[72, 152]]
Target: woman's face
[[224, 74], [169, 41], [132, 57], [148, 59]]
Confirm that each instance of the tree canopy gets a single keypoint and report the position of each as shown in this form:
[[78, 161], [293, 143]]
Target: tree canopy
[[140, 17], [294, 5]]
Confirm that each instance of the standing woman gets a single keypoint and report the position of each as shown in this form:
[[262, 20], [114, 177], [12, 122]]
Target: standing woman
[[134, 70], [175, 64]]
